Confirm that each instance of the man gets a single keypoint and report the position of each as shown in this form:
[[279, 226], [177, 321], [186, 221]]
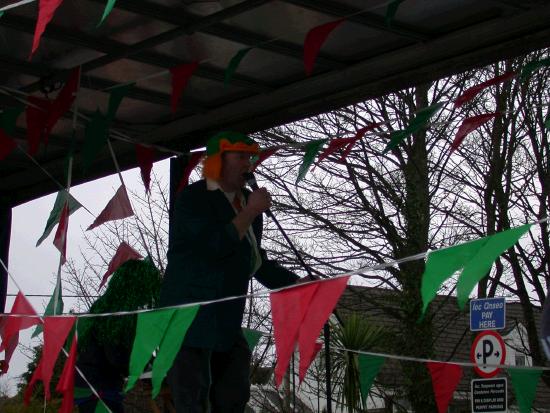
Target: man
[[214, 249]]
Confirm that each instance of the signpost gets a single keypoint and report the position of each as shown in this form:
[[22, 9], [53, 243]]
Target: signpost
[[488, 314], [487, 351], [489, 395]]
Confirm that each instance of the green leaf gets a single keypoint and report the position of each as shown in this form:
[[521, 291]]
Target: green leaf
[[234, 63], [312, 149]]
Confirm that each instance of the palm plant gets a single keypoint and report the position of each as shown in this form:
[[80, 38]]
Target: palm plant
[[356, 333]]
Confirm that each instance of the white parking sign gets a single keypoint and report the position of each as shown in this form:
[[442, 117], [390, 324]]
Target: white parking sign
[[487, 351]]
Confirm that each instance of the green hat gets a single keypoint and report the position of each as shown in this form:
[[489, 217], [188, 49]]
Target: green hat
[[230, 141]]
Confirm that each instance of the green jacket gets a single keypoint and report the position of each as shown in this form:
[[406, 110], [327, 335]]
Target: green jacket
[[207, 261]]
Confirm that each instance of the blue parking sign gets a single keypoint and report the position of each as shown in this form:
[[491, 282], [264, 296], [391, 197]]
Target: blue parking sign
[[488, 314]]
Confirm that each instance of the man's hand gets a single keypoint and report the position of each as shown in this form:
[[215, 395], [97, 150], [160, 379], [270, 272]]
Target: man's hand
[[258, 201]]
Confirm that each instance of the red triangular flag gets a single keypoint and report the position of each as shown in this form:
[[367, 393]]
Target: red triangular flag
[[117, 208], [145, 157], [469, 125], [472, 92], [62, 102], [314, 40], [56, 330], [12, 325], [9, 349], [7, 144], [266, 153], [46, 10], [180, 77], [123, 253], [60, 239], [37, 116], [192, 164], [358, 136], [445, 378], [319, 309], [333, 146], [288, 309], [66, 380], [306, 363]]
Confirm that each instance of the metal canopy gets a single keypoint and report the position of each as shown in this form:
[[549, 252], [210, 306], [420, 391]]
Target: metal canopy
[[141, 39]]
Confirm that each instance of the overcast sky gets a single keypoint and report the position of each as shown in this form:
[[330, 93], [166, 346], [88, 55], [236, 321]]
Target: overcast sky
[[35, 268]]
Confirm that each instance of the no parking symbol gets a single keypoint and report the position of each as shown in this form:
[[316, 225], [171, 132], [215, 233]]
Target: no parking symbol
[[487, 351]]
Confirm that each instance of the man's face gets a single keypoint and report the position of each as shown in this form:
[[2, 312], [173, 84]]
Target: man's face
[[234, 165]]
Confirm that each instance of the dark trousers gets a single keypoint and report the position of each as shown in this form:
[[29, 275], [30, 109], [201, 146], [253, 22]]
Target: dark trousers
[[201, 379]]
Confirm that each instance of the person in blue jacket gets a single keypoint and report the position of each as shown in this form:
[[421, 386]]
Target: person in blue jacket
[[214, 250]]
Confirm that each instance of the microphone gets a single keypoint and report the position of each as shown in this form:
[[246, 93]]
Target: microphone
[[253, 184]]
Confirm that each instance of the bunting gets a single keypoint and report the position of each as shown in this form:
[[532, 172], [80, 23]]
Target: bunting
[[8, 119], [118, 207], [46, 10], [420, 120], [62, 103], [7, 145], [252, 337], [358, 136], [315, 38], [304, 365], [145, 158], [56, 330], [445, 379], [469, 125], [333, 146], [369, 366], [60, 239], [530, 67], [180, 76], [95, 138], [233, 64], [525, 387], [298, 314], [63, 198], [66, 380], [472, 92], [115, 99], [108, 9], [474, 257], [55, 305], [264, 154], [311, 150], [391, 11], [37, 116], [194, 160], [123, 253]]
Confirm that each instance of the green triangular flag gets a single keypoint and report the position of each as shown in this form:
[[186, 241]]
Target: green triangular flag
[[443, 263], [391, 10], [55, 213], [312, 149], [2, 13], [108, 9], [252, 337], [525, 387], [422, 117], [233, 64], [150, 330], [8, 119], [54, 307], [95, 138], [532, 66], [171, 343], [369, 366], [116, 96], [101, 408], [481, 263]]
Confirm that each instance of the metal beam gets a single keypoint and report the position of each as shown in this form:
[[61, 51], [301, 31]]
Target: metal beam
[[110, 47], [367, 19], [130, 50], [223, 31]]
